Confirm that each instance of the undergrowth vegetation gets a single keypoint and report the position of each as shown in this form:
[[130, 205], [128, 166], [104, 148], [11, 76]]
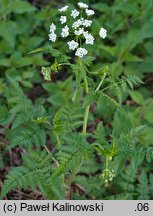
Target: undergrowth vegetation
[[76, 119]]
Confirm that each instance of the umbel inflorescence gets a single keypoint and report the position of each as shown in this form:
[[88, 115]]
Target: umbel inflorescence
[[75, 25]]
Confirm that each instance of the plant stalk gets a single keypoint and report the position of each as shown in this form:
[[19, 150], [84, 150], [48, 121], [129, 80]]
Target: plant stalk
[[85, 120], [86, 109], [100, 84]]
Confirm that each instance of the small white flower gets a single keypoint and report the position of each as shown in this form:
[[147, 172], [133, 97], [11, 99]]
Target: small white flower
[[79, 31], [63, 19], [72, 45], [78, 23], [82, 22], [75, 13], [81, 52], [63, 9], [103, 33], [89, 38], [65, 31], [52, 27], [87, 23], [82, 5], [52, 37], [90, 12]]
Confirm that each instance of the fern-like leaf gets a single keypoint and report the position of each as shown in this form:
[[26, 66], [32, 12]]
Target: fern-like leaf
[[35, 173]]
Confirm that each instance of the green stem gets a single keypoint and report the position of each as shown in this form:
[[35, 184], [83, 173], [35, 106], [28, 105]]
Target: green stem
[[86, 109], [75, 171], [57, 165], [64, 64], [56, 162], [100, 84], [85, 120], [58, 140], [111, 86], [74, 95], [86, 85]]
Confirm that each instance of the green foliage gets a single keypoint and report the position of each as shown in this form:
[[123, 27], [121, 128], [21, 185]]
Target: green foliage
[[35, 173], [73, 152], [67, 119], [28, 137]]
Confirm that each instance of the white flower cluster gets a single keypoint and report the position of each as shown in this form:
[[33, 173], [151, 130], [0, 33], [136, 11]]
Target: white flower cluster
[[63, 19], [82, 5], [103, 33], [82, 22], [89, 38], [79, 31], [72, 45], [78, 28], [63, 9], [81, 52], [52, 35], [90, 12], [65, 31], [75, 13], [52, 27]]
